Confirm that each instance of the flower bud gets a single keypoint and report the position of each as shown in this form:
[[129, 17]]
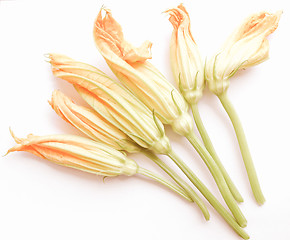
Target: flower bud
[[77, 152], [186, 62], [183, 125]]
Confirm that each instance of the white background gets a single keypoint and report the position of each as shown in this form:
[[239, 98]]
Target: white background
[[39, 200]]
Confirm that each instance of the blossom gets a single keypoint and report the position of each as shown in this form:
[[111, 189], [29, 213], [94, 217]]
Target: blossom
[[77, 152], [186, 62], [97, 128], [113, 102], [131, 67], [91, 123], [246, 47]]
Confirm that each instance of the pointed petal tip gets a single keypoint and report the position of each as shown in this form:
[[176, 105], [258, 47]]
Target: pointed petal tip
[[279, 14], [9, 151], [47, 55], [12, 133], [50, 103], [16, 139], [105, 8]]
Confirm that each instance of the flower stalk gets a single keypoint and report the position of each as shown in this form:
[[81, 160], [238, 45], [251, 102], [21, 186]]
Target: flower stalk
[[248, 162], [192, 194], [210, 148], [164, 182], [208, 195], [219, 179]]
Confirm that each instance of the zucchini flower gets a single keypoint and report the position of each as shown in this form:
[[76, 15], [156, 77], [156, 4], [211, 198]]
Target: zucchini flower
[[188, 71], [130, 66], [246, 47], [123, 110], [96, 127], [186, 61], [77, 152], [85, 155]]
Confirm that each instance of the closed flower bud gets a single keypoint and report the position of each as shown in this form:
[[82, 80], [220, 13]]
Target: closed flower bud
[[77, 152], [186, 62], [91, 123], [131, 67], [113, 102], [246, 47]]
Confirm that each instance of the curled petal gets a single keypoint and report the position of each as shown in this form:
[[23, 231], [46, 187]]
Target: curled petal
[[246, 47], [110, 36], [260, 24]]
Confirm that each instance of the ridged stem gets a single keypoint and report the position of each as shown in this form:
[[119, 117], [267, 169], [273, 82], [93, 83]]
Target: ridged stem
[[252, 175], [208, 195], [219, 179], [210, 148], [191, 193], [164, 182]]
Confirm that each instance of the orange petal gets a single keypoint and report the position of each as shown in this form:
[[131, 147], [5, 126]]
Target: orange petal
[[109, 39], [179, 19], [263, 23]]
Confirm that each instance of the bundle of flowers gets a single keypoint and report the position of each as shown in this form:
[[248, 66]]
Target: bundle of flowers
[[127, 114]]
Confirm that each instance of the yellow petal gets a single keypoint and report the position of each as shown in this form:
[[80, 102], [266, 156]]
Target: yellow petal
[[246, 47]]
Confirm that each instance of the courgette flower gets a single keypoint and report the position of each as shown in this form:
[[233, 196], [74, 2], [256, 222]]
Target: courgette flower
[[77, 152], [246, 46], [131, 67], [186, 61], [86, 155]]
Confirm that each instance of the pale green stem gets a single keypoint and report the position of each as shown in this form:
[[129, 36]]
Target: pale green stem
[[252, 175], [163, 181], [219, 179], [191, 193], [208, 195], [210, 148]]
